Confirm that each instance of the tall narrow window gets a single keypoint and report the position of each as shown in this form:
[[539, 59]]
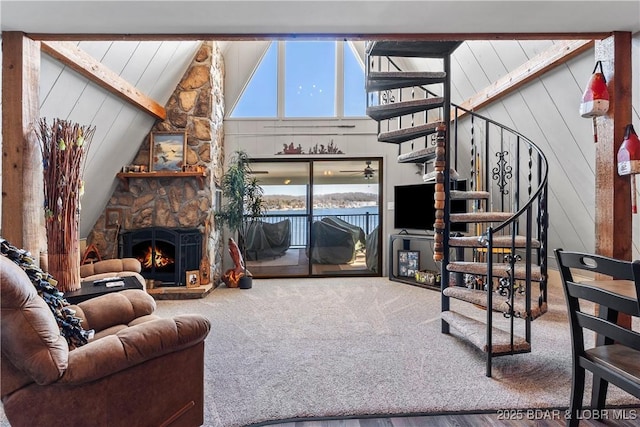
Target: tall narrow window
[[260, 98], [310, 76]]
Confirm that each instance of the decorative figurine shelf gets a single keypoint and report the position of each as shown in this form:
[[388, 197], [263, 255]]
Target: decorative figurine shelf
[[125, 176]]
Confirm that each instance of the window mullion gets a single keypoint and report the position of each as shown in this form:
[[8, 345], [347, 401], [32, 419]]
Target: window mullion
[[339, 89], [281, 78]]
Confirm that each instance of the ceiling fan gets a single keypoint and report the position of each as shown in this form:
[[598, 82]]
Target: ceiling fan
[[367, 172]]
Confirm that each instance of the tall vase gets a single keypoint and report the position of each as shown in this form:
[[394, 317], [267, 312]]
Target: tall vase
[[65, 269], [64, 146], [63, 247]]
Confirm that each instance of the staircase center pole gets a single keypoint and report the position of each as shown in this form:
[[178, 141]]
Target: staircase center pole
[[446, 118]]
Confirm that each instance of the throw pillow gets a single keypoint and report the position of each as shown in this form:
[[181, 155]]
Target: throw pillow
[[68, 322]]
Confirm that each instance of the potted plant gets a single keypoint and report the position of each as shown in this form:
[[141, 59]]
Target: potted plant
[[242, 205]]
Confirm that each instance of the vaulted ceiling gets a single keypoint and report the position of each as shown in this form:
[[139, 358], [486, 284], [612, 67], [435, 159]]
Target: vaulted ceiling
[[169, 23]]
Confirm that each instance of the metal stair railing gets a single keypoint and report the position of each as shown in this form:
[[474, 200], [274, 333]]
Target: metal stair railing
[[484, 176], [525, 209], [504, 182], [502, 173]]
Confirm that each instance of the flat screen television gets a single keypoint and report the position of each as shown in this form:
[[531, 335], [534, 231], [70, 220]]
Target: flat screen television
[[414, 210]]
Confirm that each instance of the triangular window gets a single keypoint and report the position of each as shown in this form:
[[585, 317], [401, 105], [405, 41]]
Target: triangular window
[[260, 97], [355, 94]]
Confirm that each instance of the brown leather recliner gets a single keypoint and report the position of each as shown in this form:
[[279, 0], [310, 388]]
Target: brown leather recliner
[[138, 370]]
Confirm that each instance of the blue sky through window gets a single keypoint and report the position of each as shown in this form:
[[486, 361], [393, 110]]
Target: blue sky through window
[[310, 83], [260, 97], [310, 76], [355, 96]]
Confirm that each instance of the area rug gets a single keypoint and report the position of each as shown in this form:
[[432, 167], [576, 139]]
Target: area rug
[[290, 257], [295, 348]]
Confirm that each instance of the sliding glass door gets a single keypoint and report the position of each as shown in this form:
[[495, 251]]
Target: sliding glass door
[[344, 219], [277, 243], [321, 219]]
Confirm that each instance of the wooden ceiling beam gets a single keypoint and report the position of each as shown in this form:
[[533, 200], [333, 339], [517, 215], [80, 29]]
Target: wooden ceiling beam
[[543, 62], [75, 58], [320, 36]]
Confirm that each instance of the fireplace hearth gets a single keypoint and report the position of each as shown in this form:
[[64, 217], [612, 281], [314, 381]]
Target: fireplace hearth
[[166, 254]]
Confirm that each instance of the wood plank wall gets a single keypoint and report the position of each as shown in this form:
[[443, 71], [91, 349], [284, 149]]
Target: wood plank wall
[[547, 112], [154, 68]]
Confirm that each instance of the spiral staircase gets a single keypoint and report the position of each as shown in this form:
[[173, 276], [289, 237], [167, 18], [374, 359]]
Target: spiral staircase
[[499, 266]]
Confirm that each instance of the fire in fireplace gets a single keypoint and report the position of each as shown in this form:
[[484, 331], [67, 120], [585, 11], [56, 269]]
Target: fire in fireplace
[[158, 258], [166, 254]]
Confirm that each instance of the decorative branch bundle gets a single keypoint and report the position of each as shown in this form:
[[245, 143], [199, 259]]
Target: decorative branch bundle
[[64, 145]]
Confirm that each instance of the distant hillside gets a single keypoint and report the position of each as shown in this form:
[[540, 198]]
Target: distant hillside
[[333, 200]]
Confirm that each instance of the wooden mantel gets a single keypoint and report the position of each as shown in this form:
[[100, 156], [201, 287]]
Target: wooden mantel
[[125, 176]]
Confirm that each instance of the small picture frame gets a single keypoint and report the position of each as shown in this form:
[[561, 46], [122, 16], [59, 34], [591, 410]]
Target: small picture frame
[[408, 263], [167, 151], [192, 278], [112, 218]]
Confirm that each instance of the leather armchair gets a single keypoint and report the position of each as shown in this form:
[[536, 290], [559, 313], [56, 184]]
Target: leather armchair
[[138, 369]]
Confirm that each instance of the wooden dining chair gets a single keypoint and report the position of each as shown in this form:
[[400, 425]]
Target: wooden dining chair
[[615, 356]]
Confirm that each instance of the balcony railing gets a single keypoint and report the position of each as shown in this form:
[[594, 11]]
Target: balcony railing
[[300, 224]]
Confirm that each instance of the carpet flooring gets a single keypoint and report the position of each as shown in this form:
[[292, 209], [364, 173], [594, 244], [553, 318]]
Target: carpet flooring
[[295, 348]]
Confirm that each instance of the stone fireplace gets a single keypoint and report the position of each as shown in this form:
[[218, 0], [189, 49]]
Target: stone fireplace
[[166, 254], [180, 202]]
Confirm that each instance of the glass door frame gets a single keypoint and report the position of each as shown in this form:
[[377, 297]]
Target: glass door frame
[[312, 162]]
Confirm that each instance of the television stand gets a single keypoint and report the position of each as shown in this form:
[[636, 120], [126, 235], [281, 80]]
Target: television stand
[[402, 242]]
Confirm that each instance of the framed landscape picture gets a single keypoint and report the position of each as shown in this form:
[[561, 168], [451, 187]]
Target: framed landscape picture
[[408, 263], [167, 151]]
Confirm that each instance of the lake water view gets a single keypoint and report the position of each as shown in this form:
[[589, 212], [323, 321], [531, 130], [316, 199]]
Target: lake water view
[[365, 217]]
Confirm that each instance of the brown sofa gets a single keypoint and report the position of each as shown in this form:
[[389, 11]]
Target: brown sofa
[[118, 267], [138, 370]]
